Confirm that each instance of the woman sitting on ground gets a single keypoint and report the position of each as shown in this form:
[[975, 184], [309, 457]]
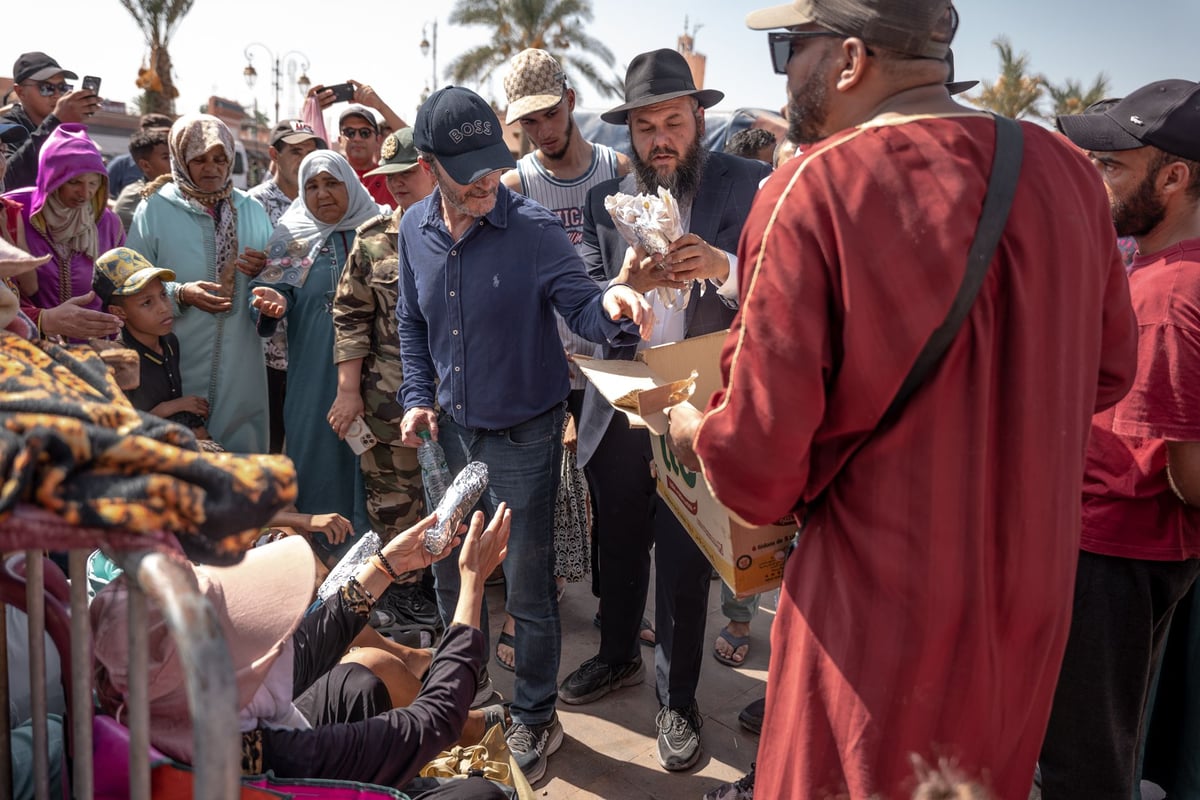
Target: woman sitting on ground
[[305, 710]]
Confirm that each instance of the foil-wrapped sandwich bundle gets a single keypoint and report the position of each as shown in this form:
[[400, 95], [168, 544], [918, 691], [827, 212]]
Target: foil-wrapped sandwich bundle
[[651, 222], [460, 498]]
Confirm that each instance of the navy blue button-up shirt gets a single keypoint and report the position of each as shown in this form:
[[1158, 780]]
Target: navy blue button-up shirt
[[477, 314]]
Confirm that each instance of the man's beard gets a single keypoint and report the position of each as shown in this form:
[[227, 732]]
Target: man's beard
[[807, 108], [1140, 212], [683, 181], [461, 201], [566, 143]]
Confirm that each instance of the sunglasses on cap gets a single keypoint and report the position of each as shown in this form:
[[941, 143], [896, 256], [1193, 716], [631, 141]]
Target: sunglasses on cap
[[362, 133], [50, 89], [782, 44]]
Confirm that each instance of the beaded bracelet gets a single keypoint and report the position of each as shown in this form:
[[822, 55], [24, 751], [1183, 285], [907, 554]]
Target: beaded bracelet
[[385, 565], [355, 586]]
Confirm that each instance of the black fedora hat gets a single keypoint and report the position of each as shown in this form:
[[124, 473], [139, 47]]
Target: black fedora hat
[[656, 77], [953, 86]]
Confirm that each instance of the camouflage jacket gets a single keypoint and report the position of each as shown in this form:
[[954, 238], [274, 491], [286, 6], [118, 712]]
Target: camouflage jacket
[[364, 321]]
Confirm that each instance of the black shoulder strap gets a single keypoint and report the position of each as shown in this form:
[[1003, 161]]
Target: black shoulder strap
[[1002, 187]]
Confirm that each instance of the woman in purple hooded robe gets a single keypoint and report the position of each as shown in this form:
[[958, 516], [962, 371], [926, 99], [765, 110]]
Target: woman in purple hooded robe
[[66, 217]]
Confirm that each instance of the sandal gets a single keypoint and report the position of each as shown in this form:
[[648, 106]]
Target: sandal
[[645, 627], [737, 643], [509, 641]]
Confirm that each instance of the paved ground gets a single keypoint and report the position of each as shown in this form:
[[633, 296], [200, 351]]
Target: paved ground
[[609, 749]]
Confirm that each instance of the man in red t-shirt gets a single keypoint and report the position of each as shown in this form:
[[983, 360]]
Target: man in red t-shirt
[[360, 141], [1141, 522]]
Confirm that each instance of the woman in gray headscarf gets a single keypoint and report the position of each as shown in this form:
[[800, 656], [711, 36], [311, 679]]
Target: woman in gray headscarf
[[211, 235], [305, 257]]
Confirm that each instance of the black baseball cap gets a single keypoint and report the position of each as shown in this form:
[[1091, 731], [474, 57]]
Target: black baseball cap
[[1163, 114], [12, 133], [294, 131], [38, 67], [462, 131]]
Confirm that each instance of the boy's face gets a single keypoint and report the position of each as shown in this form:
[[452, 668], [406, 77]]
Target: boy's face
[[148, 311], [157, 163]]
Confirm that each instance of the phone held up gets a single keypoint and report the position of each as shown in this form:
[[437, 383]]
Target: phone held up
[[91, 84], [342, 92]]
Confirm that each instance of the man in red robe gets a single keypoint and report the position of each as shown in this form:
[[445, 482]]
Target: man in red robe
[[926, 607]]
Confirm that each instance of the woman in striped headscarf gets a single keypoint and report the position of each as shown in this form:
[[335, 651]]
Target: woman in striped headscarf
[[212, 236]]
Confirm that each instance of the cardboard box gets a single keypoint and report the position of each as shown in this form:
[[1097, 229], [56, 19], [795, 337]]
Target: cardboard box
[[749, 560]]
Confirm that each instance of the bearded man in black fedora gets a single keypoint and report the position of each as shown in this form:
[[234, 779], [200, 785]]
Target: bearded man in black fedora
[[665, 114]]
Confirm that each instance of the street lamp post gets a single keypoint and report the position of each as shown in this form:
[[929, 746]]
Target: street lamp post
[[428, 46], [293, 59]]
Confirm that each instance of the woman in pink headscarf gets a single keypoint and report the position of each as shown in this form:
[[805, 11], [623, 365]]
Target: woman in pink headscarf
[[65, 216]]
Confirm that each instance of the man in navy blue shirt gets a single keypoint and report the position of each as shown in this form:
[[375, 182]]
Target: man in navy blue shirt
[[482, 271]]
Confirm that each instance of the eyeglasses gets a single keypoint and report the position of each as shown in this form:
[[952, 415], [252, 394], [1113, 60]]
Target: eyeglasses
[[783, 42], [50, 89], [362, 133]]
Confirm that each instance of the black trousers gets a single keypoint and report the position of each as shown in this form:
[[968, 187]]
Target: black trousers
[[1123, 609], [276, 390], [630, 518]]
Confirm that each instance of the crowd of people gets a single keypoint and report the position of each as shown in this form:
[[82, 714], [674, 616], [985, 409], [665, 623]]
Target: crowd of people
[[939, 363]]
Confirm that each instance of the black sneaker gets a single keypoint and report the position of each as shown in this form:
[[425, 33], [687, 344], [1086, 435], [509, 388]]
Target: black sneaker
[[532, 745], [594, 679], [751, 717], [678, 737], [404, 607]]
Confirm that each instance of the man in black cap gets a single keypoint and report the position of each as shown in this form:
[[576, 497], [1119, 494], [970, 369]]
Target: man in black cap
[[45, 100], [1140, 550], [927, 602], [665, 114], [482, 270]]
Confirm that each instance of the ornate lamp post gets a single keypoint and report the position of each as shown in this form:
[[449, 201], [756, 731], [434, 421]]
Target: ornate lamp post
[[294, 59], [429, 46]]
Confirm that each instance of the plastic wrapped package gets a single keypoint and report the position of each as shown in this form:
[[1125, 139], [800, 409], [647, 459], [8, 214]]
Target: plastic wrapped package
[[652, 222]]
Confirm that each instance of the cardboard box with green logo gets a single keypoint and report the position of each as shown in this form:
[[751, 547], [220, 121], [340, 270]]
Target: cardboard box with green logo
[[749, 560]]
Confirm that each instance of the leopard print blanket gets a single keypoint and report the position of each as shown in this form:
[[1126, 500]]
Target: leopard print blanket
[[72, 444]]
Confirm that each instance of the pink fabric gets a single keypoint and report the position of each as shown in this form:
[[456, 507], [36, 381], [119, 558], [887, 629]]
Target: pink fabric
[[311, 114]]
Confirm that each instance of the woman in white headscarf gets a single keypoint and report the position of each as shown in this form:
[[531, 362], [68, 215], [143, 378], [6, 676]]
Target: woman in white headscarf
[[212, 236], [305, 258]]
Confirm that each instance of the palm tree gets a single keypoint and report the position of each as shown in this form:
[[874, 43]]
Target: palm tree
[[556, 26], [1071, 98], [158, 20], [1016, 93]]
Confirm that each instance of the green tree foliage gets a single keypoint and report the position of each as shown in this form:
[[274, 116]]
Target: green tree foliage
[[556, 26], [1017, 92], [158, 20], [1071, 98]]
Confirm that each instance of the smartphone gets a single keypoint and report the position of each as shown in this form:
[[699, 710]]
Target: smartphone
[[91, 84], [342, 92]]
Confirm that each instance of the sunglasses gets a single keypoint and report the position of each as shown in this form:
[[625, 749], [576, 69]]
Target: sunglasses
[[51, 89], [362, 133], [782, 44]]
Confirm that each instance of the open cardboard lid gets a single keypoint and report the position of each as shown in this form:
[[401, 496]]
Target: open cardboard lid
[[654, 379]]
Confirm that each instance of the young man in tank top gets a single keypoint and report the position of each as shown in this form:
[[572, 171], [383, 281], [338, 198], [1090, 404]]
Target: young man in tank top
[[557, 174]]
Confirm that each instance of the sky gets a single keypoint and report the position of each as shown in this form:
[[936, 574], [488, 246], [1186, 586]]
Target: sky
[[1133, 44]]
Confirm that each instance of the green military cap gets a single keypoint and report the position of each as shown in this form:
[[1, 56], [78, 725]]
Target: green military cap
[[398, 153]]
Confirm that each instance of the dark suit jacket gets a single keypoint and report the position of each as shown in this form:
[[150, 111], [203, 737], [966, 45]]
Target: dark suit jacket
[[727, 189]]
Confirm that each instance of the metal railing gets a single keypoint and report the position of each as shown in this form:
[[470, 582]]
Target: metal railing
[[59, 609]]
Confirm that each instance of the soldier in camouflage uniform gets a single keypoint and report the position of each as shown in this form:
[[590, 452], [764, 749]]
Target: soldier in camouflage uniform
[[367, 347]]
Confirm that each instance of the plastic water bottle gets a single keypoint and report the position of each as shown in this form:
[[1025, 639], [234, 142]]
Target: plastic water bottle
[[434, 472]]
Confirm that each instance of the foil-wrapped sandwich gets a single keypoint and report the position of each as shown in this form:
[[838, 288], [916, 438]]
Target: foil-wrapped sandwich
[[652, 222]]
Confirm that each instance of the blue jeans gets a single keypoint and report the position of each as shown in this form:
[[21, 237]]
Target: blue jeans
[[523, 467]]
